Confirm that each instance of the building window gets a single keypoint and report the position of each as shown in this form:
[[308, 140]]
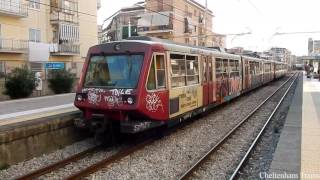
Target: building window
[[186, 40], [34, 35], [160, 5], [35, 4], [2, 67], [36, 67]]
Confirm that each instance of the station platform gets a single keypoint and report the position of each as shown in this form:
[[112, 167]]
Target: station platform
[[23, 110], [35, 126], [297, 155]]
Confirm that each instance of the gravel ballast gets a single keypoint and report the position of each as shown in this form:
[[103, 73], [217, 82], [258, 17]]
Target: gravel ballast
[[168, 157]]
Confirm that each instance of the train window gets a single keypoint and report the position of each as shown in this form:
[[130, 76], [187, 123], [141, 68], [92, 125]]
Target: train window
[[225, 66], [178, 70], [252, 67], [232, 65], [192, 70], [234, 69], [157, 75], [257, 67], [151, 85], [267, 67], [204, 71], [218, 66], [210, 68], [161, 73], [117, 71], [237, 64]]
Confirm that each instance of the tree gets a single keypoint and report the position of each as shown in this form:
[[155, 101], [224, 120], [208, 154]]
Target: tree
[[20, 83], [61, 81]]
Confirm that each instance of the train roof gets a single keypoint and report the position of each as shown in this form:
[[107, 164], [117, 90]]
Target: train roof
[[189, 49], [179, 47]]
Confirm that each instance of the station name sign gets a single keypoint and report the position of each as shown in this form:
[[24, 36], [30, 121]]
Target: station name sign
[[54, 65]]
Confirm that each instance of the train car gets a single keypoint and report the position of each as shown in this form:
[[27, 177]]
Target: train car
[[280, 69], [268, 69], [252, 73], [136, 85]]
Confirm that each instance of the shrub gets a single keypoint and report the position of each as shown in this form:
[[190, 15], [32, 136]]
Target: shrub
[[20, 83], [61, 81]]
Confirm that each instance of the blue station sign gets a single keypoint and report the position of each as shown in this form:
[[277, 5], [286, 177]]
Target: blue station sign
[[54, 65]]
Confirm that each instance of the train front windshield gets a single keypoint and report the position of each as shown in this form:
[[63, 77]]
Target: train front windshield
[[116, 71]]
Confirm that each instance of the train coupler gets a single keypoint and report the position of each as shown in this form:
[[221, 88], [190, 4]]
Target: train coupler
[[80, 123]]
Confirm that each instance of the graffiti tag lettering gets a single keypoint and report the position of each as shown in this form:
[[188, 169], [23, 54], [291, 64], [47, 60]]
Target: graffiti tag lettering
[[153, 102]]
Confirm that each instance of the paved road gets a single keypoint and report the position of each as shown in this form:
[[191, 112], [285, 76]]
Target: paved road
[[35, 104]]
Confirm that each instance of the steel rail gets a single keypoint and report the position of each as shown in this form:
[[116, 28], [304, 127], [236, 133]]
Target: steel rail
[[112, 159], [47, 169], [254, 143], [196, 165]]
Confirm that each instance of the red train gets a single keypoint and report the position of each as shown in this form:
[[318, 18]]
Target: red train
[[141, 84]]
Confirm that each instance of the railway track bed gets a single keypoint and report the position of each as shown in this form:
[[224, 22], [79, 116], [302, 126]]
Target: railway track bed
[[167, 157]]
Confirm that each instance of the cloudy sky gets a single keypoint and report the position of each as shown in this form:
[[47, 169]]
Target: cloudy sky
[[263, 18]]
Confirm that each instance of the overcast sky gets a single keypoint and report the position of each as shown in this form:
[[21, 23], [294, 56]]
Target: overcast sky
[[262, 17]]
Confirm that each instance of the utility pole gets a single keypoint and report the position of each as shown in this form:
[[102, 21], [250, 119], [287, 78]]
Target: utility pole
[[205, 24]]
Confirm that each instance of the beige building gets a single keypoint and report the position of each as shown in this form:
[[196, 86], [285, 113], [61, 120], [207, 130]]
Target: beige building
[[313, 47], [38, 32], [183, 21], [281, 54]]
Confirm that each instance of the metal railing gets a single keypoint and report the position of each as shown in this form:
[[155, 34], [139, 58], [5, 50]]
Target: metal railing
[[57, 17], [67, 49], [155, 28], [11, 45], [12, 8]]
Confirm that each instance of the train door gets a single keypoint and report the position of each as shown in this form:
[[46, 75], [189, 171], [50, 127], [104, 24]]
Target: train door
[[210, 79], [246, 75], [205, 80], [157, 95]]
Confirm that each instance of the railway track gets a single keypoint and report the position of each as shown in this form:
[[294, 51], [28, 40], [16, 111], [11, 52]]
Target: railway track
[[59, 164], [189, 173], [123, 153]]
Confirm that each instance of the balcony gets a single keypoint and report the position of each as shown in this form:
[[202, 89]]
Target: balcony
[[155, 29], [13, 46], [56, 17], [152, 23], [67, 49], [13, 9]]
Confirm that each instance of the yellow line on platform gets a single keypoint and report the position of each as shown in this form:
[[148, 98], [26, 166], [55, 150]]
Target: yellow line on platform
[[37, 116]]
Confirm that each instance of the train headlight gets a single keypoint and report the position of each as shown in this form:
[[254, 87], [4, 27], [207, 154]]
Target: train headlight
[[130, 100], [80, 97]]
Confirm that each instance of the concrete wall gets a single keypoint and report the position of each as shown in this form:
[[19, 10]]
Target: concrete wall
[[24, 141]]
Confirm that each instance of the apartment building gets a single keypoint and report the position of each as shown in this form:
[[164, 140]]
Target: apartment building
[[36, 33], [182, 21], [313, 47], [118, 28], [281, 54]]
